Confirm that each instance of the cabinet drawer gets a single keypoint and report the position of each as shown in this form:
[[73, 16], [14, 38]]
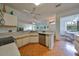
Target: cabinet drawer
[[10, 20]]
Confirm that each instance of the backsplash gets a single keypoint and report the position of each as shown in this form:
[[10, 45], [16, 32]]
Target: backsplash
[[6, 29]]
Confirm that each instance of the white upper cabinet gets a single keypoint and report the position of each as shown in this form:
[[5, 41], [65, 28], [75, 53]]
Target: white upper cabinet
[[10, 20]]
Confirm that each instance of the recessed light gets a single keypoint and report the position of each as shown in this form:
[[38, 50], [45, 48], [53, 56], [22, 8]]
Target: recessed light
[[37, 4]]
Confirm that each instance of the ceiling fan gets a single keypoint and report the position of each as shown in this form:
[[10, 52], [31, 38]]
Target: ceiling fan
[[58, 5], [34, 15]]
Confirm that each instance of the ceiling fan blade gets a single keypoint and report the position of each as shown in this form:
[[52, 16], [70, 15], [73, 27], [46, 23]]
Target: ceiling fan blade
[[34, 15], [27, 11], [58, 5], [32, 12]]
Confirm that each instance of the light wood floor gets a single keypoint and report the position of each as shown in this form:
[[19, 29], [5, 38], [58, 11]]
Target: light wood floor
[[61, 48]]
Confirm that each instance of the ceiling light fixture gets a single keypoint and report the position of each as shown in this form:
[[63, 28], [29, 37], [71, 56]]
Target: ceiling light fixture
[[58, 5], [37, 4]]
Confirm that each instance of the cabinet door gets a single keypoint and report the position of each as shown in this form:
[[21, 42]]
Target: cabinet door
[[34, 39], [47, 40], [10, 20], [19, 42], [25, 41]]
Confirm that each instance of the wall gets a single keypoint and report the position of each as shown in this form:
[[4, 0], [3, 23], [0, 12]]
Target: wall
[[57, 27], [20, 16], [5, 29]]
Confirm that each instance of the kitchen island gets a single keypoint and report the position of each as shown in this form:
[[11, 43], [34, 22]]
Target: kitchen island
[[24, 38]]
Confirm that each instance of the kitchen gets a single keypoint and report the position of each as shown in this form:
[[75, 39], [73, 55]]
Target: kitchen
[[22, 33], [28, 29]]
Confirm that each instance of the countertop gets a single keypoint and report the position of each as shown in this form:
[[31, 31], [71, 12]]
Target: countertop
[[9, 50], [17, 34], [47, 33], [21, 34]]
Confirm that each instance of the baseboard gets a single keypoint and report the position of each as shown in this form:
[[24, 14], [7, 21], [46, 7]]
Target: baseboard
[[57, 40], [44, 45]]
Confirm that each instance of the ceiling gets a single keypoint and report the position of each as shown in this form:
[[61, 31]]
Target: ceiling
[[44, 9]]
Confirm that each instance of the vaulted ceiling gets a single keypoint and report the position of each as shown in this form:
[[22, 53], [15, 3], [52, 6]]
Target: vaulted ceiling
[[44, 9]]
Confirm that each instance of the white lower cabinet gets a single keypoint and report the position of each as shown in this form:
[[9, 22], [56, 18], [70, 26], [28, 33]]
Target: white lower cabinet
[[25, 41], [47, 40], [34, 39], [19, 42]]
